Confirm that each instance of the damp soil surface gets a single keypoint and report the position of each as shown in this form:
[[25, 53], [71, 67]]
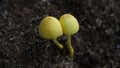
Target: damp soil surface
[[96, 45]]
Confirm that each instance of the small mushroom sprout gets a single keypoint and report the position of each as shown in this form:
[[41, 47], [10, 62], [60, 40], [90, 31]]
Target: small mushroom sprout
[[70, 26], [50, 28]]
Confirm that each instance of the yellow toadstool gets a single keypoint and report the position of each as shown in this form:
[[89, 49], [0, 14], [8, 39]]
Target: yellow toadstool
[[50, 28], [70, 26]]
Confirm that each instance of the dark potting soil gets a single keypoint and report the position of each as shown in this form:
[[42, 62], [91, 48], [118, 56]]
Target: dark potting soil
[[96, 45]]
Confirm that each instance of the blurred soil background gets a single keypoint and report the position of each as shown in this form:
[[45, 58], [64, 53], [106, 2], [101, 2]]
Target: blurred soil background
[[97, 44]]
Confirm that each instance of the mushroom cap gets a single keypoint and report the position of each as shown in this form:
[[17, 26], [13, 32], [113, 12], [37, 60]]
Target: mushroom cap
[[69, 24], [50, 28]]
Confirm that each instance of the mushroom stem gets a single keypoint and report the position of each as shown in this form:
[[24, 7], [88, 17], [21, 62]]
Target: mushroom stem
[[70, 47], [58, 44]]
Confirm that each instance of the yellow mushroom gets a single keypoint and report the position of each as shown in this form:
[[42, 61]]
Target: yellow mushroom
[[50, 28], [70, 26]]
